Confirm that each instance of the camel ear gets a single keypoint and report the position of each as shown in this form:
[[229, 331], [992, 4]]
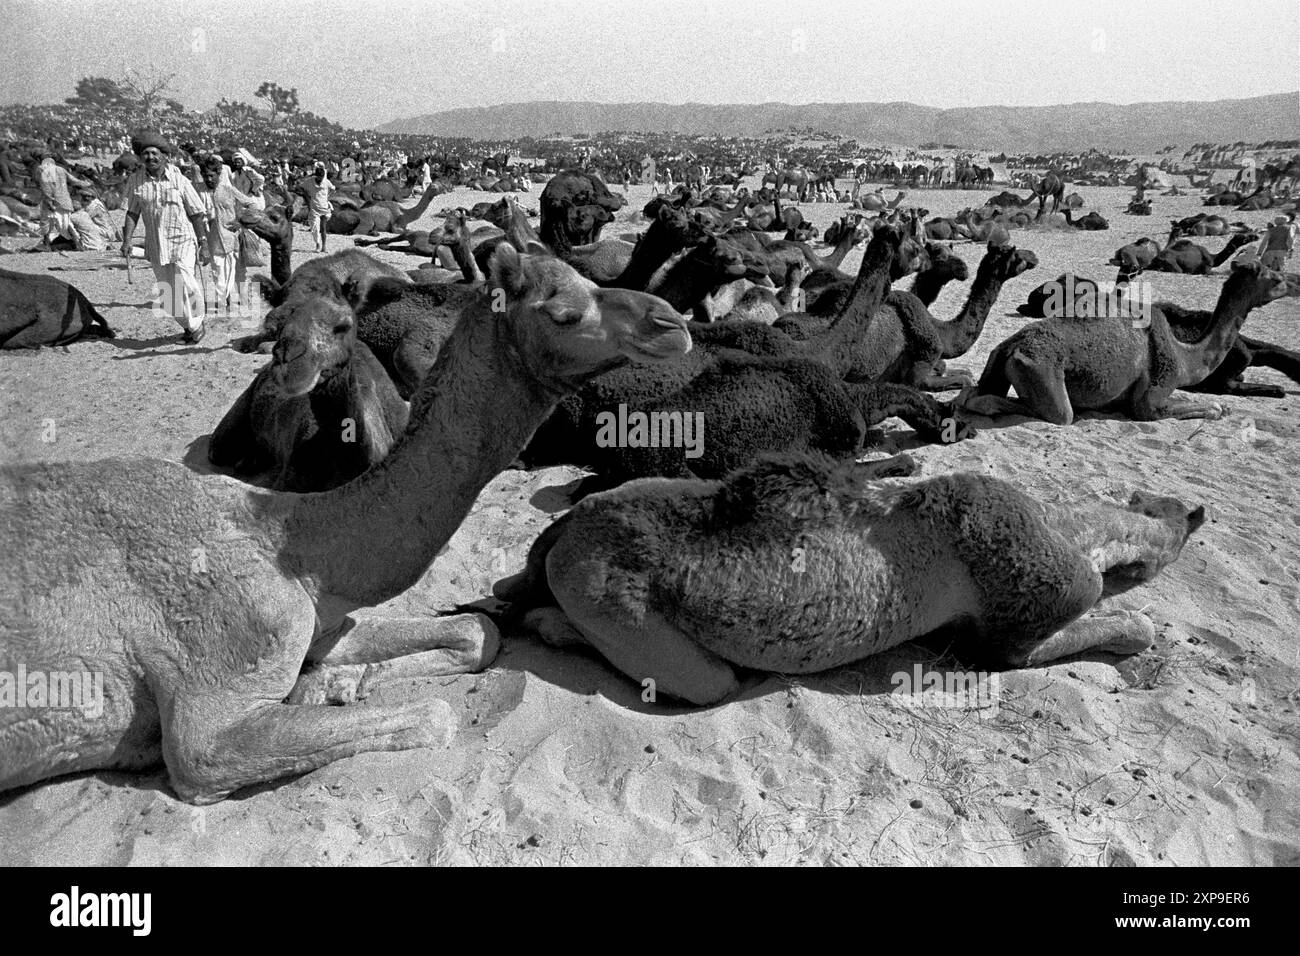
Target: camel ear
[[506, 269], [1195, 518]]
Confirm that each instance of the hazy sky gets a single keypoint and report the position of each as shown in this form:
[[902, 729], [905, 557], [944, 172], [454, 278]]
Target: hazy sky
[[364, 62]]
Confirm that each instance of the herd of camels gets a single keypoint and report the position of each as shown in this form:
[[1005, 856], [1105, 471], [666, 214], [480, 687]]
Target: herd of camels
[[392, 399]]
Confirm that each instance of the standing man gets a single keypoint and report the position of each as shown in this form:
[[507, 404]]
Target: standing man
[[1279, 240], [318, 206], [222, 204], [174, 228], [56, 203]]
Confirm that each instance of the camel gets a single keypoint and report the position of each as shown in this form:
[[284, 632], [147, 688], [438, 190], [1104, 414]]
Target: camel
[[221, 592], [273, 225], [379, 215], [572, 434], [1114, 363], [764, 305], [350, 265], [906, 345], [1050, 186], [1204, 224], [324, 410], [797, 178], [38, 310], [1185, 256], [797, 565], [1008, 198], [1188, 325], [876, 202], [575, 205]]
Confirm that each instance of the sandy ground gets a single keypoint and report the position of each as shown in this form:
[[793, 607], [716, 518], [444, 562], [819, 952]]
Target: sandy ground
[[1185, 754]]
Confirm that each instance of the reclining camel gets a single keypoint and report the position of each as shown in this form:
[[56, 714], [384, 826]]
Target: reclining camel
[[679, 582], [198, 599], [1062, 366], [38, 310]]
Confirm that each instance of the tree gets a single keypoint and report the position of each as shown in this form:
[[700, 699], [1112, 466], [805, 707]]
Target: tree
[[99, 92], [148, 88], [278, 98]]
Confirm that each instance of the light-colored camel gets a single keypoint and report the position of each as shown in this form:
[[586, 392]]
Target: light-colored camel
[[1061, 366], [198, 599], [796, 565]]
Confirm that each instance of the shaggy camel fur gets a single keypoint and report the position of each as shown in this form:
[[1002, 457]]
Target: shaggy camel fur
[[199, 599], [681, 582], [1061, 366], [38, 310], [324, 410]]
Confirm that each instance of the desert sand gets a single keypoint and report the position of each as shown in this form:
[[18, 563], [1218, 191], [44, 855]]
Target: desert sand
[[1185, 754]]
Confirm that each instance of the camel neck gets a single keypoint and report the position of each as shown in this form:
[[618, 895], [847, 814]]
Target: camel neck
[[1203, 356], [374, 537], [958, 335], [654, 249], [281, 259], [869, 290], [836, 256], [928, 284]]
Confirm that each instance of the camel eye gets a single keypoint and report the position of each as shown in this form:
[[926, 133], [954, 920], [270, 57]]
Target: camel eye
[[343, 328]]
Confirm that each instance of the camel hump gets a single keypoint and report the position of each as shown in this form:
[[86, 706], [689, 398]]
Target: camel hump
[[800, 485]]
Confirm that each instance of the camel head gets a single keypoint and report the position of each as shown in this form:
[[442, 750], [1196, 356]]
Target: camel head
[[272, 223], [941, 259], [1257, 284], [1003, 261], [1181, 521], [317, 335], [566, 328]]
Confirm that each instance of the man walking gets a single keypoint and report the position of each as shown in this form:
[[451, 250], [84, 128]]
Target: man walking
[[173, 221], [318, 206], [222, 204]]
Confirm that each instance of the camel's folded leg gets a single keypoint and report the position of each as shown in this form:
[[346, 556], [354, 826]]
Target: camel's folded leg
[[1182, 408], [553, 626], [466, 642], [640, 642], [931, 418], [895, 466], [1118, 632], [932, 379], [216, 742]]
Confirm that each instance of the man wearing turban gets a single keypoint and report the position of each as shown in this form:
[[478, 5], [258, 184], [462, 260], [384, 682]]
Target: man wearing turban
[[175, 229]]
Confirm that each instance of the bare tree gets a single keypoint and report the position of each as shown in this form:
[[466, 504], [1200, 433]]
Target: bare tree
[[148, 88]]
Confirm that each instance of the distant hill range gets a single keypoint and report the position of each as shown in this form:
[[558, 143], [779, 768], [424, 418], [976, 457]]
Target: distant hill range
[[1137, 127]]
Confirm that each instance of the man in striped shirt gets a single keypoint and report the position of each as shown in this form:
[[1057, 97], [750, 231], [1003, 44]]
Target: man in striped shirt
[[175, 229]]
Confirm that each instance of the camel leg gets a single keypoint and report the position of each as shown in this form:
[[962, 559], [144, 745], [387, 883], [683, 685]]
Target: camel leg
[[1150, 404], [215, 742], [1117, 632], [924, 375], [457, 643], [553, 626], [1041, 389], [930, 418], [638, 641]]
